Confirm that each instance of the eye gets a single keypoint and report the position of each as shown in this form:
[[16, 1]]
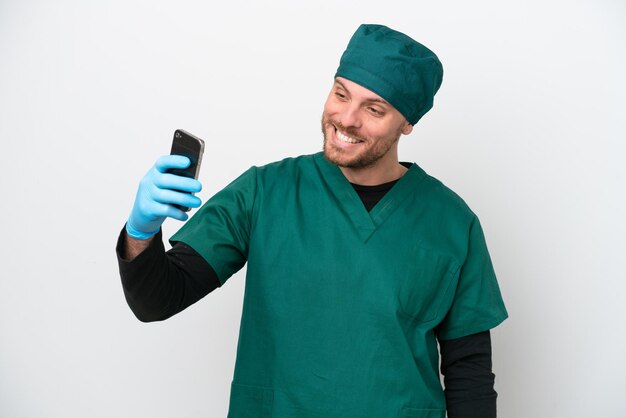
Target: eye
[[375, 111], [340, 95]]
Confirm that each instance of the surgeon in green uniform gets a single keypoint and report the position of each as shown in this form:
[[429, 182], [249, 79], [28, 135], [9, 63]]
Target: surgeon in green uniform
[[344, 303]]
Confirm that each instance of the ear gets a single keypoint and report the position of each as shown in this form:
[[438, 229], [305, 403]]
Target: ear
[[407, 129]]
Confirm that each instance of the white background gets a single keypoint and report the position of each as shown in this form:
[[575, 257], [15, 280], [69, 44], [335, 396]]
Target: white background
[[527, 128]]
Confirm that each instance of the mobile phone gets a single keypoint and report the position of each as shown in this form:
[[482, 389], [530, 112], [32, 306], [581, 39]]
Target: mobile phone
[[192, 147]]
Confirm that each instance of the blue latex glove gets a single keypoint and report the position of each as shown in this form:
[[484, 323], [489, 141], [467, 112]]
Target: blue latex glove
[[157, 192]]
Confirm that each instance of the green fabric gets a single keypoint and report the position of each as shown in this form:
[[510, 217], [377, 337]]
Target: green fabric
[[342, 307], [400, 70]]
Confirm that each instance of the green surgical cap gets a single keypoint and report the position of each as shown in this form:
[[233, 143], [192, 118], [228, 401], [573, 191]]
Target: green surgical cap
[[397, 68]]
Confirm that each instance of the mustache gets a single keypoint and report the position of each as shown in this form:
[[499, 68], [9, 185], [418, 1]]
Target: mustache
[[351, 132]]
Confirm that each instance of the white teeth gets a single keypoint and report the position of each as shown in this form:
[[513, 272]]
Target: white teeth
[[345, 138]]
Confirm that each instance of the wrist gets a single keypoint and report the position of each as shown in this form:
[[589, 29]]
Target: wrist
[[132, 247], [135, 233]]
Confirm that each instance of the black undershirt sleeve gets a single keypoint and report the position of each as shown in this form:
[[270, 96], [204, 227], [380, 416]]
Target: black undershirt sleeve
[[468, 380], [159, 284]]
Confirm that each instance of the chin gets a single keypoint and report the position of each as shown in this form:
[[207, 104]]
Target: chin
[[335, 155], [339, 158], [332, 155]]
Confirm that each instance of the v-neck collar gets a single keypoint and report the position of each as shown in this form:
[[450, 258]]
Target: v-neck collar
[[366, 223]]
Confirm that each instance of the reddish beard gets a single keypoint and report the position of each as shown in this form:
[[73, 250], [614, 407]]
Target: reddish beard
[[374, 148]]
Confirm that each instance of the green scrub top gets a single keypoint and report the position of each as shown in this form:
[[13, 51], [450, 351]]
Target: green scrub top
[[342, 306]]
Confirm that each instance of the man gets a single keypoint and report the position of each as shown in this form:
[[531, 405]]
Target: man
[[357, 264]]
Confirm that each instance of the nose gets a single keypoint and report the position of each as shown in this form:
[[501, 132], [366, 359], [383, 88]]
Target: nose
[[350, 117]]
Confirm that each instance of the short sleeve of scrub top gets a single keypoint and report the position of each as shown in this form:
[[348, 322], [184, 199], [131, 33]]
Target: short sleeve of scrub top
[[220, 230], [477, 304]]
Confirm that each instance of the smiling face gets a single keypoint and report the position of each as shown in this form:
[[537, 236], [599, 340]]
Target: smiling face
[[361, 131]]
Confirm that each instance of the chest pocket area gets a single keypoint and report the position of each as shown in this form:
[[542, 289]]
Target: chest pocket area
[[421, 282]]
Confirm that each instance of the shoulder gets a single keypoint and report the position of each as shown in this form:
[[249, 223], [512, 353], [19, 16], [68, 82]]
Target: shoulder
[[444, 220], [286, 171], [287, 164], [270, 172], [441, 199]]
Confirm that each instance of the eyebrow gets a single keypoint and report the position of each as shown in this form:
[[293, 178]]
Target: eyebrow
[[370, 99]]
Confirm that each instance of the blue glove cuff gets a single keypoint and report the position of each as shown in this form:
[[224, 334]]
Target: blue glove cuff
[[134, 233]]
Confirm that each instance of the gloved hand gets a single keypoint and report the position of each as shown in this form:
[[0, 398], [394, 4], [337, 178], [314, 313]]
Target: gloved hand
[[157, 192]]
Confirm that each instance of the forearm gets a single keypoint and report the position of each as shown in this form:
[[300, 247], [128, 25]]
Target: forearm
[[132, 247], [469, 382], [157, 284]]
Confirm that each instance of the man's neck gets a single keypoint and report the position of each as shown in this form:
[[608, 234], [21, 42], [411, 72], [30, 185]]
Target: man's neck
[[372, 176]]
